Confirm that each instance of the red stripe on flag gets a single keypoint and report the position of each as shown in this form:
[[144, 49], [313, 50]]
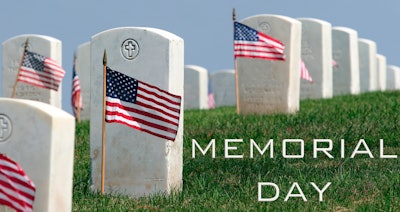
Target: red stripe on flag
[[16, 189]]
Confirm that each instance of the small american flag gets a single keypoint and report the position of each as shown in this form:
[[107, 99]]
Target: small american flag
[[40, 71], [210, 98], [304, 74], [76, 98], [16, 189], [251, 43], [334, 64], [141, 106]]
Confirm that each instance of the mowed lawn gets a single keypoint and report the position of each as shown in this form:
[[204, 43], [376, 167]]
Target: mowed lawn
[[353, 124]]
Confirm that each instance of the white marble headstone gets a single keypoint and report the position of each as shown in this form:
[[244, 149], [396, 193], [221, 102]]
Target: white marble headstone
[[196, 87], [346, 75], [136, 163], [271, 86], [83, 72], [224, 88], [12, 54], [392, 77], [367, 62], [316, 52], [40, 138], [381, 69]]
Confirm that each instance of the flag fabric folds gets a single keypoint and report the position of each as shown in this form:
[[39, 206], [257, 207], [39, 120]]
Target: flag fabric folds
[[40, 71], [141, 106], [16, 189], [76, 97], [251, 43], [304, 74]]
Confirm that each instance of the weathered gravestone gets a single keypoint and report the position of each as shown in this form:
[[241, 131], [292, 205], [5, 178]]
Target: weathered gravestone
[[392, 77], [271, 86], [83, 72], [12, 54], [367, 62], [196, 87], [136, 163], [224, 89], [316, 52], [346, 75], [381, 69], [40, 138]]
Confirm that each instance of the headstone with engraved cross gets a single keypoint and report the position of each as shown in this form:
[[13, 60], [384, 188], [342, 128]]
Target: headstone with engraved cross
[[136, 163], [271, 86], [40, 138], [12, 54]]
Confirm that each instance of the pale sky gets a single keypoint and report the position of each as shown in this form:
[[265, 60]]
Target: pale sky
[[205, 25]]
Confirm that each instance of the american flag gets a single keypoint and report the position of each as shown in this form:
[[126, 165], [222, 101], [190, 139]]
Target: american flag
[[16, 189], [304, 74], [40, 71], [141, 106], [76, 98], [210, 99], [334, 63], [251, 43]]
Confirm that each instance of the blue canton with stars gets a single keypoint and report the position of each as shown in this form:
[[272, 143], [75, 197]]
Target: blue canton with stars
[[33, 61], [121, 86], [245, 33]]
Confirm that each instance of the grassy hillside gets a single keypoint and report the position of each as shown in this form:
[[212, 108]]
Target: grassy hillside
[[217, 184]]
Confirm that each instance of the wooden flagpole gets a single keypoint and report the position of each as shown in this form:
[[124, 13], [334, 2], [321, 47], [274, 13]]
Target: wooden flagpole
[[78, 96], [19, 68], [236, 71], [103, 130]]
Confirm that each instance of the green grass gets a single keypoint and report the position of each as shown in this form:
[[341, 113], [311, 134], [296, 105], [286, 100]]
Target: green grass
[[219, 184]]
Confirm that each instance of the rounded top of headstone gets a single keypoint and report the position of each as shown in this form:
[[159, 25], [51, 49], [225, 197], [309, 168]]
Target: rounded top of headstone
[[32, 37], [381, 56], [344, 29], [272, 17], [84, 45], [224, 71], [393, 67], [37, 106], [155, 31], [314, 20], [196, 68], [367, 41]]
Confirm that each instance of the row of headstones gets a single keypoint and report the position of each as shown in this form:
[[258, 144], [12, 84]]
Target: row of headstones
[[356, 71], [338, 61], [221, 84], [275, 86], [41, 137]]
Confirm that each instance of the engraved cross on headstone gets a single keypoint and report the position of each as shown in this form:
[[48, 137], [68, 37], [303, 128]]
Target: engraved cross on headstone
[[3, 127], [130, 47]]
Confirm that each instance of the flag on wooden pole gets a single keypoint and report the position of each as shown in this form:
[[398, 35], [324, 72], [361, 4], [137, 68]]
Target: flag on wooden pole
[[16, 189], [40, 71], [141, 106], [251, 43], [76, 97]]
